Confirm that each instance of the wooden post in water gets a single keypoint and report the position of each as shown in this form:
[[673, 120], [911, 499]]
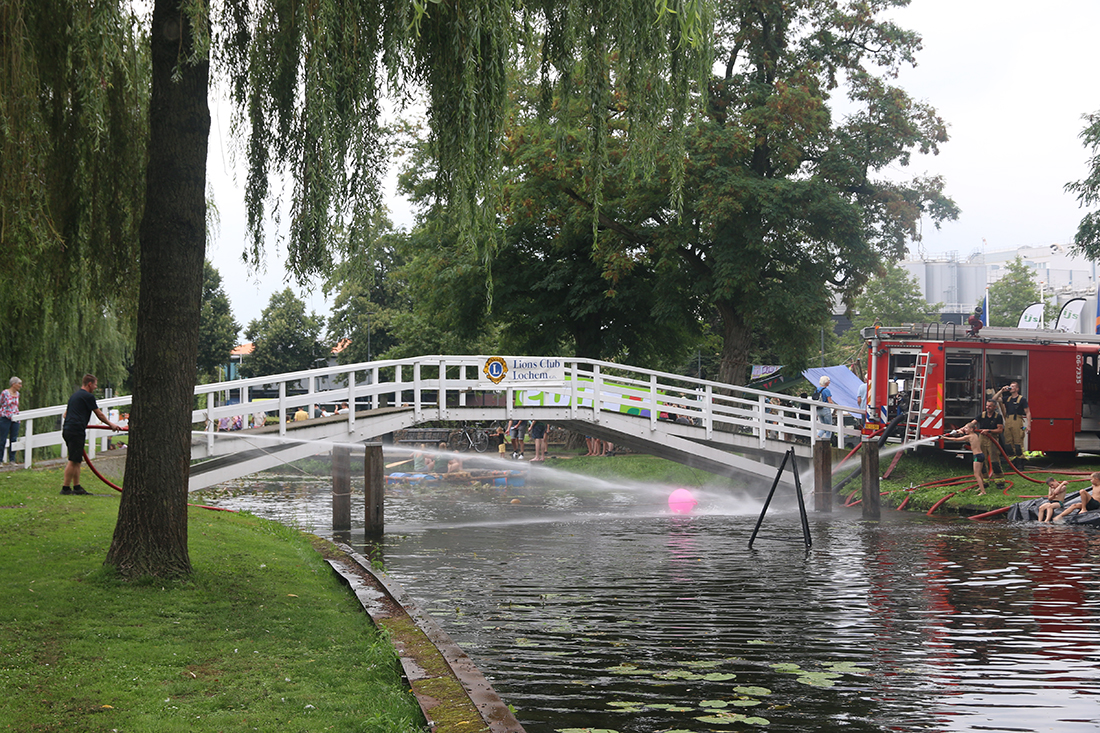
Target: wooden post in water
[[823, 476], [872, 504], [375, 481], [341, 489]]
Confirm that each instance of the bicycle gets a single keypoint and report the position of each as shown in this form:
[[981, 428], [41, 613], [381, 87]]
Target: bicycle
[[475, 438]]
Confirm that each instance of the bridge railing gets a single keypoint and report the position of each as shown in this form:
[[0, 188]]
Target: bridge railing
[[442, 387]]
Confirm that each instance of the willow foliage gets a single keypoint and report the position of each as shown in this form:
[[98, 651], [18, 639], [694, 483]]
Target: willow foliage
[[73, 103], [308, 77]]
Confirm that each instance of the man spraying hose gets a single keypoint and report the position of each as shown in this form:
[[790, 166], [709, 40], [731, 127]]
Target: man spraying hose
[[78, 414]]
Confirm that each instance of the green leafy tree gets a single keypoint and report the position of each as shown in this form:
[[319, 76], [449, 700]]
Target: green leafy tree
[[1087, 239], [73, 130], [307, 78], [284, 338], [1009, 296], [369, 292], [788, 202], [892, 297], [217, 328]]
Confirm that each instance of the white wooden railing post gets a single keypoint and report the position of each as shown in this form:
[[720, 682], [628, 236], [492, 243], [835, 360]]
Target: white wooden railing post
[[597, 389], [762, 412], [351, 401], [654, 409], [417, 407], [441, 393], [28, 434], [282, 407], [211, 423]]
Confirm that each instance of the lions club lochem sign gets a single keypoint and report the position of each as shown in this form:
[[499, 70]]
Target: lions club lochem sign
[[515, 371]]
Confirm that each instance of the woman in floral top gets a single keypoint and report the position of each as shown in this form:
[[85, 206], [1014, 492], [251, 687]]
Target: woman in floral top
[[9, 418]]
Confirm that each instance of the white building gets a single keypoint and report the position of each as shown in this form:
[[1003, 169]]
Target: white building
[[960, 283]]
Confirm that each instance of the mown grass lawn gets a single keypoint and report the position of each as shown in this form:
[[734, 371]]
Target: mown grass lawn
[[263, 636]]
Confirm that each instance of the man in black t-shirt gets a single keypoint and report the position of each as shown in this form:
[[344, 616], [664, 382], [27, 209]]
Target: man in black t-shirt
[[78, 414], [990, 426]]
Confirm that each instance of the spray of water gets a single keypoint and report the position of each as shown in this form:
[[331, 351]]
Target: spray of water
[[644, 496]]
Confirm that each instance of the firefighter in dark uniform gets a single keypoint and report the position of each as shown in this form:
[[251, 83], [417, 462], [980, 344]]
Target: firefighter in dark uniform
[[1017, 422], [990, 425]]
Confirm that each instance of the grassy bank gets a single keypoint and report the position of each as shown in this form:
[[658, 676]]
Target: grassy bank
[[262, 637], [925, 478], [633, 467]]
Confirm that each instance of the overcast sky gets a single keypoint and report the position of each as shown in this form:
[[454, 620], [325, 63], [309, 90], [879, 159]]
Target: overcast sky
[[1011, 78]]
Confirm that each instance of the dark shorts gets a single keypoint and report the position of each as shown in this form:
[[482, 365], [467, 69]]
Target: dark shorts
[[538, 432], [1093, 505], [75, 443], [979, 458]]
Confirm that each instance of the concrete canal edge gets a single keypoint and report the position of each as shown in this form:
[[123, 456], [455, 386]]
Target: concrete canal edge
[[452, 692]]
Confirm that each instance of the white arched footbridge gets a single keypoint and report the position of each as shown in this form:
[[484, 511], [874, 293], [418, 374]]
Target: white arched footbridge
[[726, 430]]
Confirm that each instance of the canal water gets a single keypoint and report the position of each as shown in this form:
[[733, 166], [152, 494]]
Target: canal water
[[589, 605]]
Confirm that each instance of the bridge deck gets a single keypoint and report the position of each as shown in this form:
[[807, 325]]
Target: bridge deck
[[733, 431]]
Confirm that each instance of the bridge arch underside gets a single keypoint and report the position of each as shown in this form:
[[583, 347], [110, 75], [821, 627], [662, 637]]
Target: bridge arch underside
[[725, 453]]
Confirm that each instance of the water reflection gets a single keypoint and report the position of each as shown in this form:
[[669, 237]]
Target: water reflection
[[594, 607]]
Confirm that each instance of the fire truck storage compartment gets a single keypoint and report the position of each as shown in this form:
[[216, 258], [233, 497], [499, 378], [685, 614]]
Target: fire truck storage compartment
[[1054, 397], [962, 386]]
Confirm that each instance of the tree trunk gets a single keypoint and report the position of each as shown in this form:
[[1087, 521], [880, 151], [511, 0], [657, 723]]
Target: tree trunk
[[736, 345], [150, 536]]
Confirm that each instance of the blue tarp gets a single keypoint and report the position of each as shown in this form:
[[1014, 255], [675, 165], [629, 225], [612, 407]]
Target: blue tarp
[[844, 386]]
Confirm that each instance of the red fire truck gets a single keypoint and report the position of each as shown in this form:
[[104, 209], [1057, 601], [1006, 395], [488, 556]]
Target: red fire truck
[[939, 378]]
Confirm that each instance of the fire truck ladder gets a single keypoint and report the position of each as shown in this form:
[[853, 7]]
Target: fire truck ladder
[[916, 399]]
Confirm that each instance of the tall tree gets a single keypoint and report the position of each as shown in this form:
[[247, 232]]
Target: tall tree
[[789, 202], [1009, 296], [284, 337], [73, 130], [217, 329], [1087, 239], [150, 536], [307, 78], [369, 293], [892, 297]]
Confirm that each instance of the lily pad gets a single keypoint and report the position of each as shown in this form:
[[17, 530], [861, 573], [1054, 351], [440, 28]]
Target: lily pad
[[719, 676], [714, 704], [847, 668], [753, 691], [678, 674], [703, 664], [627, 668], [817, 679], [724, 718]]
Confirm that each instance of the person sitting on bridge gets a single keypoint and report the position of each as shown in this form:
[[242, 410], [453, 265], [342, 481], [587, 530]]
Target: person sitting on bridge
[[969, 433]]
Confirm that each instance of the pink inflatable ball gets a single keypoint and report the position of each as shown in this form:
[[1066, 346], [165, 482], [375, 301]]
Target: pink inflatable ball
[[681, 501]]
